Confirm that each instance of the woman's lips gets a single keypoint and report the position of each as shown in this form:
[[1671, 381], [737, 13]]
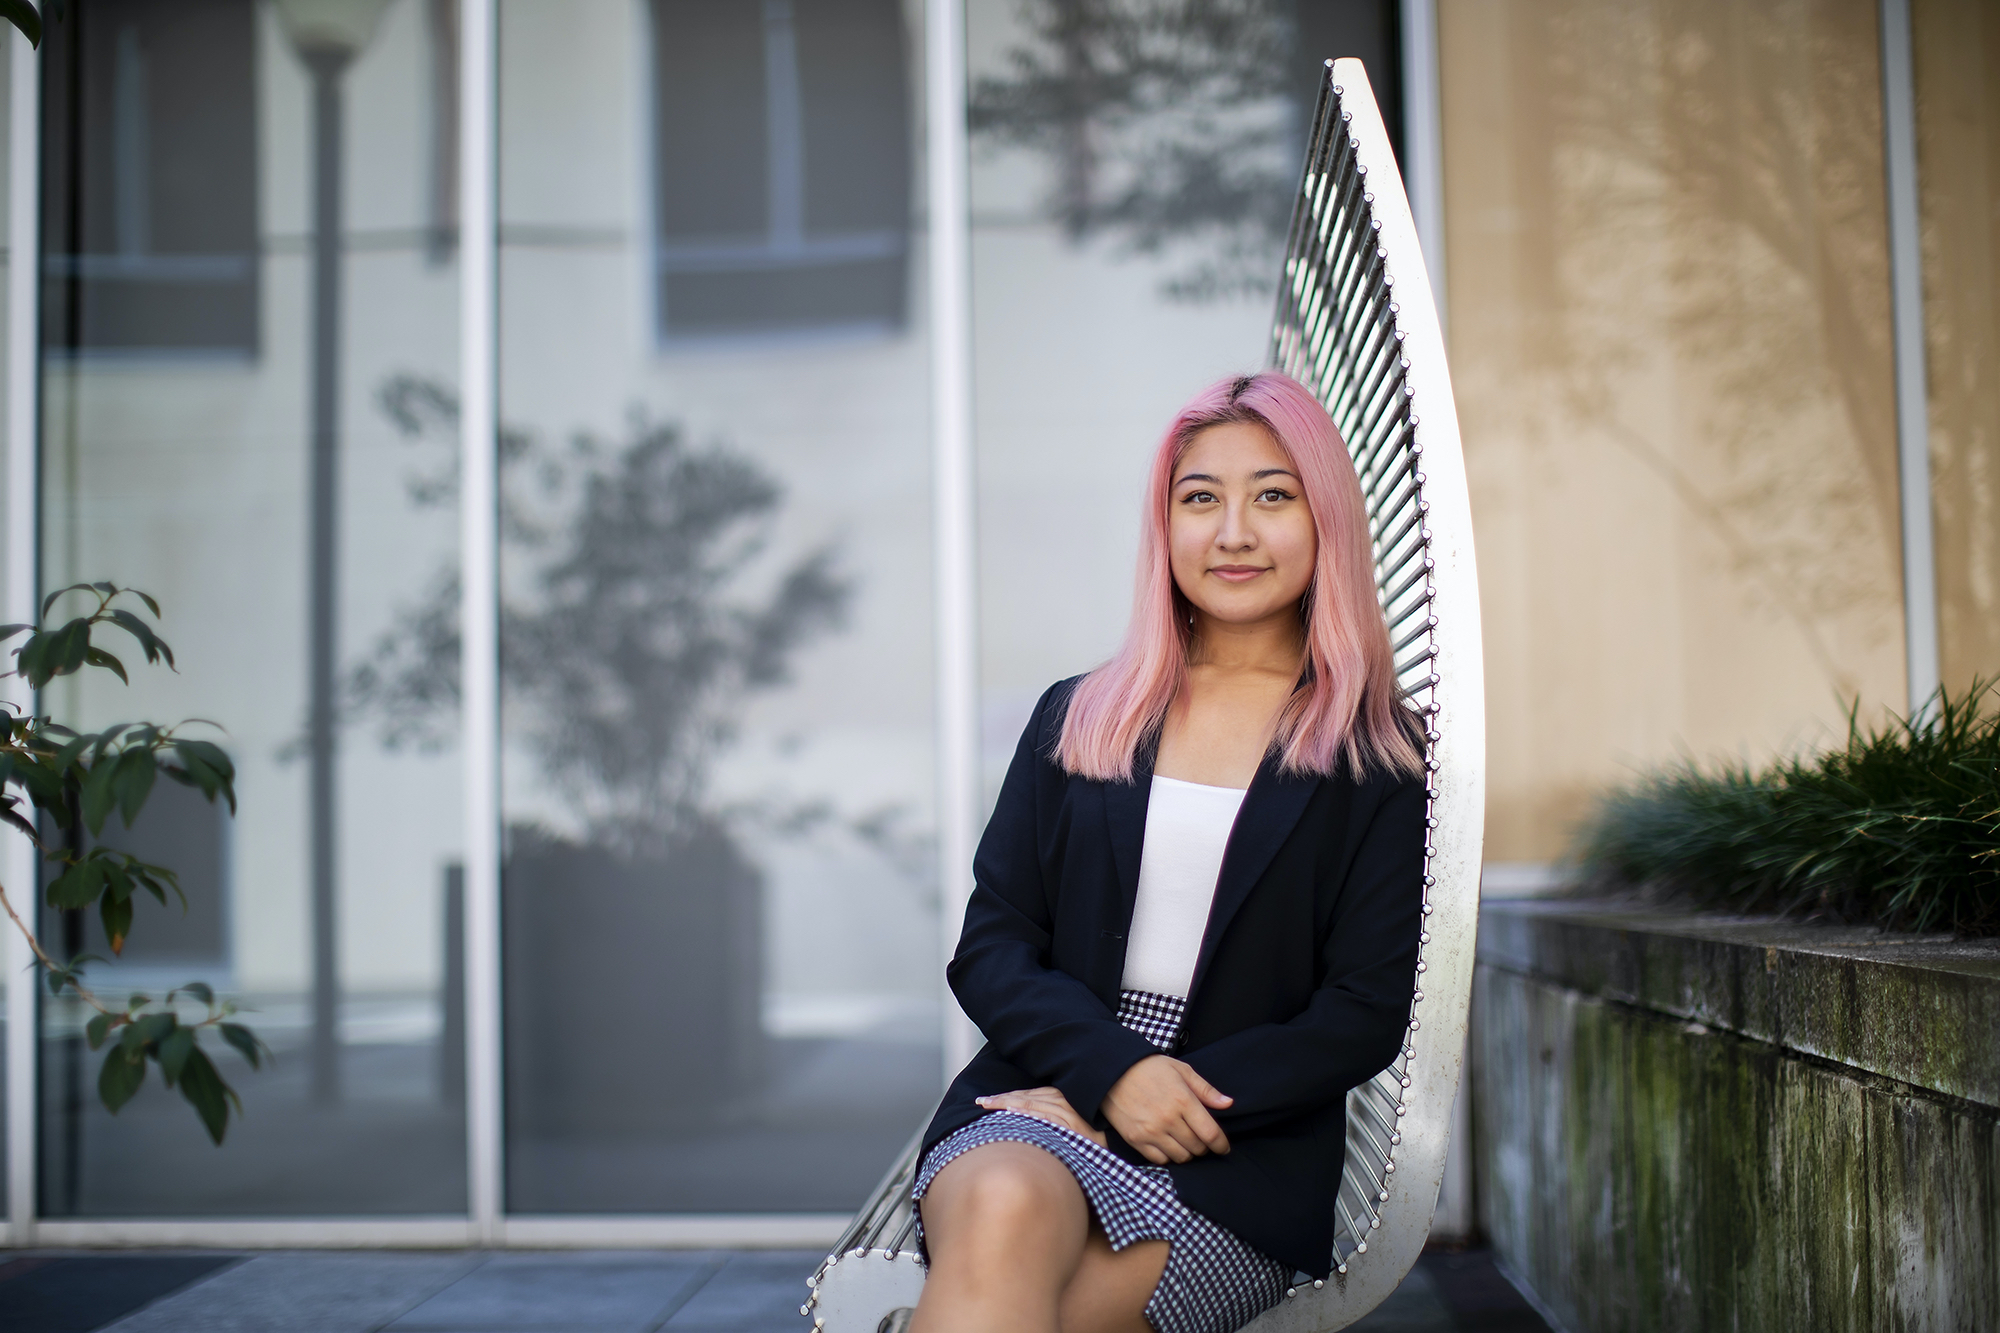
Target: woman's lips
[[1238, 573]]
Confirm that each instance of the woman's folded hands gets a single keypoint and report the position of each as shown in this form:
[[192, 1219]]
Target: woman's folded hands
[[1160, 1106], [1045, 1104]]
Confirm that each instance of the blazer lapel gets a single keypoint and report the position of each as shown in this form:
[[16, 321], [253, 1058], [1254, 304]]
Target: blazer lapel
[[1270, 811], [1125, 822]]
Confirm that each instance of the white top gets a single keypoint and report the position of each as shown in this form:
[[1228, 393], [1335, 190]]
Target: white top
[[1187, 828]]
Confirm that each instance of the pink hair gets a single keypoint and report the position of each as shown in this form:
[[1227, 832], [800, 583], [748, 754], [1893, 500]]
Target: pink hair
[[1347, 706]]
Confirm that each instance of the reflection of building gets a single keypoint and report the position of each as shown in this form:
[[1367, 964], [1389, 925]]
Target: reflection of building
[[1668, 285]]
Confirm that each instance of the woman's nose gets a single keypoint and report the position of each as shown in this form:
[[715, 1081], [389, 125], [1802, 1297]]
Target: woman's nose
[[1236, 534]]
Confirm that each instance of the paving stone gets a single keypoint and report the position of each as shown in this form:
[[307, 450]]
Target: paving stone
[[755, 1292], [303, 1292], [76, 1294], [617, 1292], [1413, 1307]]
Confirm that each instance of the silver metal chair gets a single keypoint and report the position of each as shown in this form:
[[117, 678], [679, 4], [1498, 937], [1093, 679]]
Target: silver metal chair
[[1356, 323]]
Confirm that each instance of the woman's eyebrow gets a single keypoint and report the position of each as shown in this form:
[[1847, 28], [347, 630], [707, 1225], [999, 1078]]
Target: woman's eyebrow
[[1254, 476]]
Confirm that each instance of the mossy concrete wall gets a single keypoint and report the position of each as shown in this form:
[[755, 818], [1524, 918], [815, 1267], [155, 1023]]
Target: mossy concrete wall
[[1692, 1124]]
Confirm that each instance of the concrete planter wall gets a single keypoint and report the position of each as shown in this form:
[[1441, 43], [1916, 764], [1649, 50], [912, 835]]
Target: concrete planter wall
[[1686, 1123]]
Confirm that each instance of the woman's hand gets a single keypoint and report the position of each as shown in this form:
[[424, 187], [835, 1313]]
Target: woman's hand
[[1161, 1107], [1045, 1104]]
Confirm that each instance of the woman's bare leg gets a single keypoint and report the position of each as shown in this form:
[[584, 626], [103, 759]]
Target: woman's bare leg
[[1109, 1292], [1005, 1224]]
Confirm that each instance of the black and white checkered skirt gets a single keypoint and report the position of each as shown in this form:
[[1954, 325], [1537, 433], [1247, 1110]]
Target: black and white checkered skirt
[[1214, 1282]]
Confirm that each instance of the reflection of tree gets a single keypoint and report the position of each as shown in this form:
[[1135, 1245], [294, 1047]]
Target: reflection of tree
[[1169, 121], [628, 640], [1713, 174]]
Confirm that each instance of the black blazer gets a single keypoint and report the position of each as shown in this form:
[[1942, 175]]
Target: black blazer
[[1301, 991]]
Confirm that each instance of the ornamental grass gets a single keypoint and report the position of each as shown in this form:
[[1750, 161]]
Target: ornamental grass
[[1898, 828]]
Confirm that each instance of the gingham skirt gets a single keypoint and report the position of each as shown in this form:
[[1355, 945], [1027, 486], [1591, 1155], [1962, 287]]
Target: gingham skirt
[[1214, 1282]]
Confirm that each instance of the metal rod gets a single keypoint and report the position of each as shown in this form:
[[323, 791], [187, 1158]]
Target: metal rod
[[479, 609], [1403, 464], [1374, 438], [955, 586], [1906, 293], [1423, 137], [1401, 490], [1430, 623], [1301, 209], [1388, 404], [1416, 606], [1374, 1143], [1412, 516], [18, 861], [1386, 570], [1375, 346], [1373, 1178], [323, 577], [1408, 544]]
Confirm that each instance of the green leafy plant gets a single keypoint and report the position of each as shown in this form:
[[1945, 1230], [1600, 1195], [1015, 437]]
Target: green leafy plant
[[1898, 827], [54, 778]]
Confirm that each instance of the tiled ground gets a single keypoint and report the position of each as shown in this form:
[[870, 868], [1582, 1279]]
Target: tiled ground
[[618, 1291]]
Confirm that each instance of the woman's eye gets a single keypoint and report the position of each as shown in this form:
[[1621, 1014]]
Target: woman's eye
[[1198, 497], [1275, 494]]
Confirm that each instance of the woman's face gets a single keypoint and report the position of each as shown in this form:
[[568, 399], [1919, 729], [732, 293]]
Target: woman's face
[[1242, 539]]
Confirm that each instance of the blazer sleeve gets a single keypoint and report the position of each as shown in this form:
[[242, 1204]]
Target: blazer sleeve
[[1354, 1023], [1037, 1016]]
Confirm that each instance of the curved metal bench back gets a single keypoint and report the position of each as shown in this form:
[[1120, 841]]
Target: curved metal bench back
[[1357, 324]]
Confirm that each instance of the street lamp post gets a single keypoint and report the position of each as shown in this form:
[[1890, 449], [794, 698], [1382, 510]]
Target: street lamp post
[[328, 35]]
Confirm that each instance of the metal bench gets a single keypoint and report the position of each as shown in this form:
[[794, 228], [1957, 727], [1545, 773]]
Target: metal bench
[[1356, 323]]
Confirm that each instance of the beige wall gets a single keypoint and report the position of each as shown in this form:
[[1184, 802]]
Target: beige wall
[[1670, 342], [1957, 49]]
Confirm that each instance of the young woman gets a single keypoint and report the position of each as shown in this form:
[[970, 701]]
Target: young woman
[[1195, 914]]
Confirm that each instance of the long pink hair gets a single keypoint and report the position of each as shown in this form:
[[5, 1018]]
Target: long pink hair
[[1347, 706]]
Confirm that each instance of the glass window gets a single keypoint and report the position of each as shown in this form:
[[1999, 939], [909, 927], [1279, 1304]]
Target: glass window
[[1132, 176], [195, 478], [782, 196], [721, 963], [150, 181]]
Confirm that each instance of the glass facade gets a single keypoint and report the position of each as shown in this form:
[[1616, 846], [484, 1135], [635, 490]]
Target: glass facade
[[720, 904], [1132, 178], [719, 895], [223, 427]]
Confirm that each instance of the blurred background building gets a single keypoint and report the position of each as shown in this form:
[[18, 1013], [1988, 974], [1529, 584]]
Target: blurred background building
[[1662, 229]]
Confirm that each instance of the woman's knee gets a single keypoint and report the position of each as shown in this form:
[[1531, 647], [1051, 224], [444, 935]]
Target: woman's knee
[[1007, 1187]]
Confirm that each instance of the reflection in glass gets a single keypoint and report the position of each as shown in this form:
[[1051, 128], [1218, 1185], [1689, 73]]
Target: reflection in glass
[[720, 925], [209, 378], [1132, 174], [782, 188]]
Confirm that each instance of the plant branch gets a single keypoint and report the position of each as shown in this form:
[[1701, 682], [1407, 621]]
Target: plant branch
[[83, 992]]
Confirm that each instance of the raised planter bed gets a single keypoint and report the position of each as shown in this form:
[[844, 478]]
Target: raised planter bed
[[1698, 1122]]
